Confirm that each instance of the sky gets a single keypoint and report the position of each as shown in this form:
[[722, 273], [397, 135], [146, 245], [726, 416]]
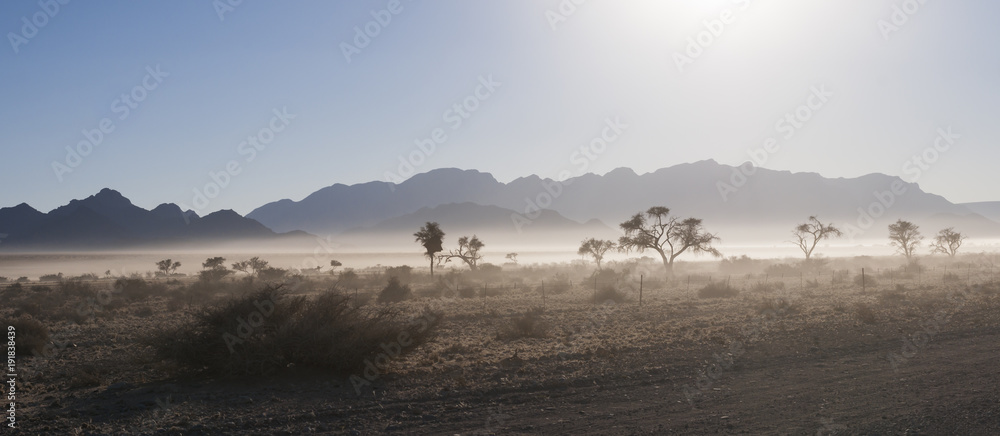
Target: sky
[[231, 105]]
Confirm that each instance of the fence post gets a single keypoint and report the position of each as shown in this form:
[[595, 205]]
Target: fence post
[[595, 289], [543, 294], [640, 290], [862, 280]]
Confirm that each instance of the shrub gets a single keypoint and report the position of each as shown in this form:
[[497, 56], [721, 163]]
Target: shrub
[[23, 280], [718, 290], [776, 307], [266, 331], [495, 291], [272, 274], [88, 276], [4, 279], [528, 325], [76, 288], [466, 291], [30, 335], [394, 292], [869, 280], [558, 285], [766, 287], [137, 289], [51, 277], [213, 274], [400, 272], [609, 293], [12, 291], [739, 265]]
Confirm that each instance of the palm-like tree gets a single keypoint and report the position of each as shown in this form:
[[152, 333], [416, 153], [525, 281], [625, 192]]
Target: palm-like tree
[[431, 237]]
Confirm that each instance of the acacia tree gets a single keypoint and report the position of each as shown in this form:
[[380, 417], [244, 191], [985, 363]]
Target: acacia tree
[[947, 241], [905, 236], [214, 269], [167, 266], [667, 235], [512, 257], [468, 252], [808, 234], [431, 237], [596, 249], [253, 267]]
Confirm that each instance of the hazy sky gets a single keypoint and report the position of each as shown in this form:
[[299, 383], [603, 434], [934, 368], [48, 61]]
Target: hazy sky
[[556, 81]]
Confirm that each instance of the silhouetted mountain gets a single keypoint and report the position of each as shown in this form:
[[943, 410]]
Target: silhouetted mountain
[[769, 202], [109, 220], [19, 219]]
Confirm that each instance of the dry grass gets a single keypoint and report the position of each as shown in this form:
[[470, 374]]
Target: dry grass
[[528, 325], [266, 331], [31, 335]]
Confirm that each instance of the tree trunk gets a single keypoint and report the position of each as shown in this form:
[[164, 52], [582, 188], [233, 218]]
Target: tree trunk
[[432, 267]]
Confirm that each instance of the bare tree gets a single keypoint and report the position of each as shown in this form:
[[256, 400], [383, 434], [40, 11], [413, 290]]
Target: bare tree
[[431, 237], [808, 234], [252, 267], [468, 252], [666, 235], [905, 236], [948, 241], [596, 248]]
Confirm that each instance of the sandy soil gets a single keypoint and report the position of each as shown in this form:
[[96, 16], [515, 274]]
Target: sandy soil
[[921, 361]]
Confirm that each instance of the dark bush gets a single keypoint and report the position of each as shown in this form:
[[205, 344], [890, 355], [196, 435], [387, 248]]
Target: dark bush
[[609, 293], [394, 292], [30, 335], [400, 272], [136, 289], [869, 280], [264, 332], [528, 325], [718, 290], [76, 288], [51, 277]]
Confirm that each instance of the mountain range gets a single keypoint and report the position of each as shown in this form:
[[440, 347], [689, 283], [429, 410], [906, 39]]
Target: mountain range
[[767, 202], [738, 205], [109, 220]]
